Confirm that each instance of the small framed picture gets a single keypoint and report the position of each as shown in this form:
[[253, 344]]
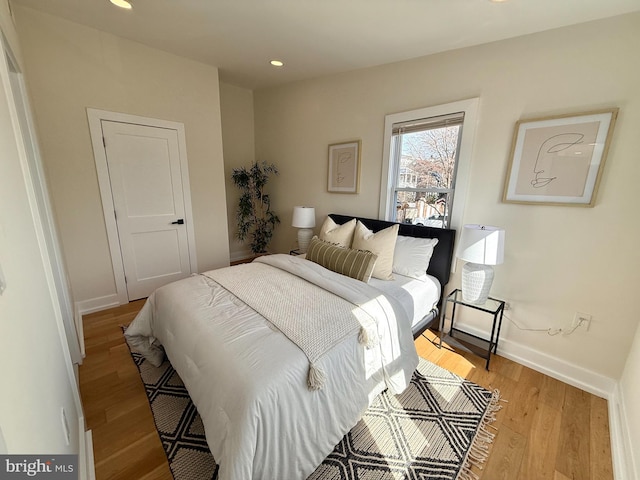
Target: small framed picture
[[344, 167], [559, 160]]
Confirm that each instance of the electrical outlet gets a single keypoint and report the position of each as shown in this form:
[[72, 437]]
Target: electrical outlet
[[581, 320]]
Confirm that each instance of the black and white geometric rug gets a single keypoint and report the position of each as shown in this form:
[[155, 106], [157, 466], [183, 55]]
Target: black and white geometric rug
[[436, 429]]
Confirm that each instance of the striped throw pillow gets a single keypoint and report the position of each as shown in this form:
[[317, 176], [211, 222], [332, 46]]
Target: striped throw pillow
[[356, 264]]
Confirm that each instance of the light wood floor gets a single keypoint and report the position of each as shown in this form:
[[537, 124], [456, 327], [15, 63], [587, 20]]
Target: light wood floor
[[547, 430]]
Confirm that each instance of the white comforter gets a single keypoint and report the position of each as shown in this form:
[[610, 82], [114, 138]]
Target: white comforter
[[248, 380]]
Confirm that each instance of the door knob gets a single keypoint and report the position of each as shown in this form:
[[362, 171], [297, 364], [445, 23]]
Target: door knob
[[180, 221]]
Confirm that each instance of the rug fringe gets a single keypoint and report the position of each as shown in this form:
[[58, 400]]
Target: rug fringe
[[479, 450]]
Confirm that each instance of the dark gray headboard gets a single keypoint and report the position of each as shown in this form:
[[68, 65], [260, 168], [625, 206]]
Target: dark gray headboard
[[440, 264]]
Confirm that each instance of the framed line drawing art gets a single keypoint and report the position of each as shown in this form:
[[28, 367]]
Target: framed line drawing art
[[559, 160], [344, 167]]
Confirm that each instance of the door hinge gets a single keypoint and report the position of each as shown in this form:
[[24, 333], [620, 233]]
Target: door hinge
[[115, 215], [104, 142], [125, 279]]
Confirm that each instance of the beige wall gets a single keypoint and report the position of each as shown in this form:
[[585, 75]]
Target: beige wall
[[630, 386], [34, 358], [559, 260], [70, 67], [236, 110]]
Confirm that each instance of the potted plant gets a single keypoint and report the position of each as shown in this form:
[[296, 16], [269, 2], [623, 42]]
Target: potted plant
[[255, 218]]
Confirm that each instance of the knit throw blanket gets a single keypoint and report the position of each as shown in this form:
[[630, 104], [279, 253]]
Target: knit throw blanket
[[311, 317]]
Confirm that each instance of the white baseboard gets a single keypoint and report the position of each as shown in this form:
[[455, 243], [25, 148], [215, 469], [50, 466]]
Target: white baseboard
[[240, 255], [554, 367], [592, 382], [79, 329], [92, 305], [89, 472], [624, 467]]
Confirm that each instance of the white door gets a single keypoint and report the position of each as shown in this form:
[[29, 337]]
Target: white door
[[146, 185]]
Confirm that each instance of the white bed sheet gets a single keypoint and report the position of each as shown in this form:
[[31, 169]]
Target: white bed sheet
[[417, 296], [248, 380]]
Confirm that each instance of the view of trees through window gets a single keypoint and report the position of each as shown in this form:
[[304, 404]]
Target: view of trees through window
[[425, 179]]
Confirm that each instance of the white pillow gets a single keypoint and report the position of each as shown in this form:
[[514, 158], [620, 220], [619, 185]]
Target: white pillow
[[341, 235], [412, 255], [381, 243]]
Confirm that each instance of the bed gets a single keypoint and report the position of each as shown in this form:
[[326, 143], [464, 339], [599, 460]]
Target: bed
[[439, 269], [275, 405]]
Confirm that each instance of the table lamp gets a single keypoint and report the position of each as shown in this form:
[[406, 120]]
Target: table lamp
[[481, 246], [304, 218]]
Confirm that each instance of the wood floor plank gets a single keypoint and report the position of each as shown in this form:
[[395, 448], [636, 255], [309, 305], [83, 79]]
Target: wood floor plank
[[506, 456], [123, 407], [117, 435], [151, 462], [574, 456], [541, 435], [118, 393], [552, 391], [538, 462], [506, 368], [559, 476], [600, 452], [161, 472], [523, 402]]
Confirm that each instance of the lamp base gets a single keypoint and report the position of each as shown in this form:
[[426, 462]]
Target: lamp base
[[476, 282], [304, 238]]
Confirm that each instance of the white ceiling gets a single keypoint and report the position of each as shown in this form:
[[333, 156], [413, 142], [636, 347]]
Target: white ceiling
[[320, 37]]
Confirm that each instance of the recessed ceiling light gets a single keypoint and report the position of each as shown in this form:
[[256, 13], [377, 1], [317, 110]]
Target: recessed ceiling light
[[122, 4], [276, 63]]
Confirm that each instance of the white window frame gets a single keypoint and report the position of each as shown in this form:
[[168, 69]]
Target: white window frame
[[388, 181]]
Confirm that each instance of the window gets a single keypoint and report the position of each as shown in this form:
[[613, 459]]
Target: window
[[426, 164]]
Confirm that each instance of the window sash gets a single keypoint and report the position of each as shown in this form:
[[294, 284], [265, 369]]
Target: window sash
[[422, 125], [425, 190], [430, 123], [424, 215]]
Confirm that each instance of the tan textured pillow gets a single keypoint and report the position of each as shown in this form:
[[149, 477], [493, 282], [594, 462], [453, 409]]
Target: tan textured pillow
[[382, 243], [352, 263], [337, 234]]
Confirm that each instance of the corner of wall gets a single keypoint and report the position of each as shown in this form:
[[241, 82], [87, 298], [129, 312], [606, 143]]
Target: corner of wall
[[572, 374], [92, 305], [592, 382], [624, 467], [87, 466]]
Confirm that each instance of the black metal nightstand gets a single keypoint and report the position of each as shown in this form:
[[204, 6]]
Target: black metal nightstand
[[476, 345], [295, 252]]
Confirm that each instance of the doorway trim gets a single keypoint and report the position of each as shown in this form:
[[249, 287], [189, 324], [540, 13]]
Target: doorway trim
[[95, 118]]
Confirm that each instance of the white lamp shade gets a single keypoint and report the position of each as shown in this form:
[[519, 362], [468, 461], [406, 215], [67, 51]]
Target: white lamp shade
[[481, 244], [304, 217]]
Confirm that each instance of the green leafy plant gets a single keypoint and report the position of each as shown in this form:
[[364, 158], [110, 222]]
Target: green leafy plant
[[255, 218]]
